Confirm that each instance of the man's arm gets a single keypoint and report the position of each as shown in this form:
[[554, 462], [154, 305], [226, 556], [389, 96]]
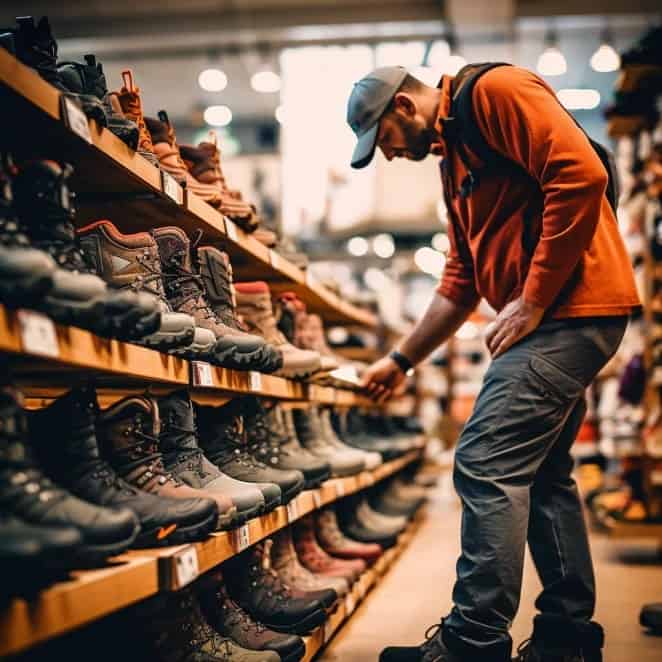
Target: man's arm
[[441, 319]]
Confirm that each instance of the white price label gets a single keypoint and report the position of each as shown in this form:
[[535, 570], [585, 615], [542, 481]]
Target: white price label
[[242, 538], [350, 603], [340, 489], [255, 380], [311, 281], [292, 511], [231, 230], [186, 566], [276, 260], [171, 188], [317, 498], [75, 119], [38, 334], [202, 374], [656, 477]]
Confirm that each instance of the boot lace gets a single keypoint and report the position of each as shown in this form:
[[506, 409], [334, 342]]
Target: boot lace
[[523, 651], [187, 455], [153, 281], [185, 285], [234, 615]]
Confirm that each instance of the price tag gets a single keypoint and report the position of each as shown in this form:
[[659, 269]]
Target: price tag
[[340, 489], [186, 566], [242, 538], [328, 632], [171, 188], [255, 380], [292, 511], [75, 119], [317, 498], [362, 589], [201, 373], [231, 230], [276, 260], [350, 603], [311, 281], [656, 477], [38, 334]]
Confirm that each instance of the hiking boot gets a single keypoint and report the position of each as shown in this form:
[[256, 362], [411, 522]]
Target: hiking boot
[[254, 305], [89, 79], [334, 542], [44, 204], [370, 459], [255, 585], [128, 437], [216, 271], [26, 273], [555, 639], [73, 459], [184, 458], [354, 431], [285, 562], [433, 649], [270, 443], [313, 557], [28, 494], [240, 457], [351, 527], [131, 262], [185, 292], [204, 164], [178, 632], [129, 101], [170, 160], [372, 519], [229, 619], [310, 436]]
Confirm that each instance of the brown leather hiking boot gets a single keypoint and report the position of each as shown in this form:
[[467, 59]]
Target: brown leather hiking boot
[[186, 294], [254, 305], [132, 262], [129, 100], [216, 271], [204, 163], [170, 160], [128, 434]]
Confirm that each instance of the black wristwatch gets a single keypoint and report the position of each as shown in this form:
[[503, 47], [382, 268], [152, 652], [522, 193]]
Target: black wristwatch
[[402, 361]]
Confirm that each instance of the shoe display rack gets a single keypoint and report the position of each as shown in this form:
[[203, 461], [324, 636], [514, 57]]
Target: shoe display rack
[[624, 424], [107, 390]]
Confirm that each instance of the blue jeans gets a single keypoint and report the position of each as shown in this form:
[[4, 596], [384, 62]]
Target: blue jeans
[[512, 473]]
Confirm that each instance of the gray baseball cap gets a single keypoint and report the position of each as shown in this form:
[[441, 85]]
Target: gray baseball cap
[[367, 103]]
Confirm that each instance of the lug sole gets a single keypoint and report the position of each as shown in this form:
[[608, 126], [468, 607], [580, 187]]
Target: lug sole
[[24, 291], [305, 625], [92, 555]]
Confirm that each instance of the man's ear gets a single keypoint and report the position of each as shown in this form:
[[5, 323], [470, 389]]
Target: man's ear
[[404, 104]]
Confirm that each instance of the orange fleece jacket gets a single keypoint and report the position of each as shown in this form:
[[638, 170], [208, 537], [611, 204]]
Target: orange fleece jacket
[[547, 231]]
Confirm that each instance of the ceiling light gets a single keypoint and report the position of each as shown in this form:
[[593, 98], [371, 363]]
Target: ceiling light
[[605, 59], [212, 80], [375, 279], [280, 114], [218, 115], [441, 242], [265, 81], [357, 246], [442, 212], [579, 99], [383, 245], [552, 62], [430, 261]]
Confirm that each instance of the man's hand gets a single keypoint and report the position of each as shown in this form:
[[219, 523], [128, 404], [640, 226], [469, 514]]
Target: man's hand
[[382, 379], [515, 321]]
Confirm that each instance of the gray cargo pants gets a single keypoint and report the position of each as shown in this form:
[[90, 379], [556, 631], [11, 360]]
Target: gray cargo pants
[[512, 473]]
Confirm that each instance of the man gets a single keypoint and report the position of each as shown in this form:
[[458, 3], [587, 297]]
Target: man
[[539, 241]]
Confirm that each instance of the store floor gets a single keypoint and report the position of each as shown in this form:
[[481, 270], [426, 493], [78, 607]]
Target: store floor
[[416, 592]]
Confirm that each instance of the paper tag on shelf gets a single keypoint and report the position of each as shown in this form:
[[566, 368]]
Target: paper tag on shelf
[[317, 498], [656, 477], [340, 489], [231, 230], [292, 510], [202, 373], [186, 566], [242, 538], [255, 380], [171, 188], [75, 119], [350, 603], [311, 281], [276, 260], [38, 335]]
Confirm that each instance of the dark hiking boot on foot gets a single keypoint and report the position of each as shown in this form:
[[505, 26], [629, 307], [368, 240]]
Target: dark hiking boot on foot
[[229, 619], [184, 458], [221, 436], [254, 584], [557, 639], [128, 436], [27, 493], [432, 650]]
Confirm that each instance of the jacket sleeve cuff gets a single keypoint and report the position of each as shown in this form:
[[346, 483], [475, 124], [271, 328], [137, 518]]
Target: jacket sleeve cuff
[[465, 297]]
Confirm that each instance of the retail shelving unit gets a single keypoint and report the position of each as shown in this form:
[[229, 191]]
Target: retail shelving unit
[[113, 181], [136, 575]]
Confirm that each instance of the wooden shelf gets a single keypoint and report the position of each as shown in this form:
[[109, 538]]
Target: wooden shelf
[[115, 182], [91, 594]]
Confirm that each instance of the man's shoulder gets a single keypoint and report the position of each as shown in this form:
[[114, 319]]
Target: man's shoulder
[[508, 83]]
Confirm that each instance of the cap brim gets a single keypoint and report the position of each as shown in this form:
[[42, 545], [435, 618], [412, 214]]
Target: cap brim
[[365, 148]]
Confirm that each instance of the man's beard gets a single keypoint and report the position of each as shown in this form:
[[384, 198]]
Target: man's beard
[[418, 141]]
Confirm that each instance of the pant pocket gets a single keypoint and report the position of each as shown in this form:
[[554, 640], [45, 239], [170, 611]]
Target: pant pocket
[[554, 382]]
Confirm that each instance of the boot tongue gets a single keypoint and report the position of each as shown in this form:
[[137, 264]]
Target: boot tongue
[[179, 422]]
